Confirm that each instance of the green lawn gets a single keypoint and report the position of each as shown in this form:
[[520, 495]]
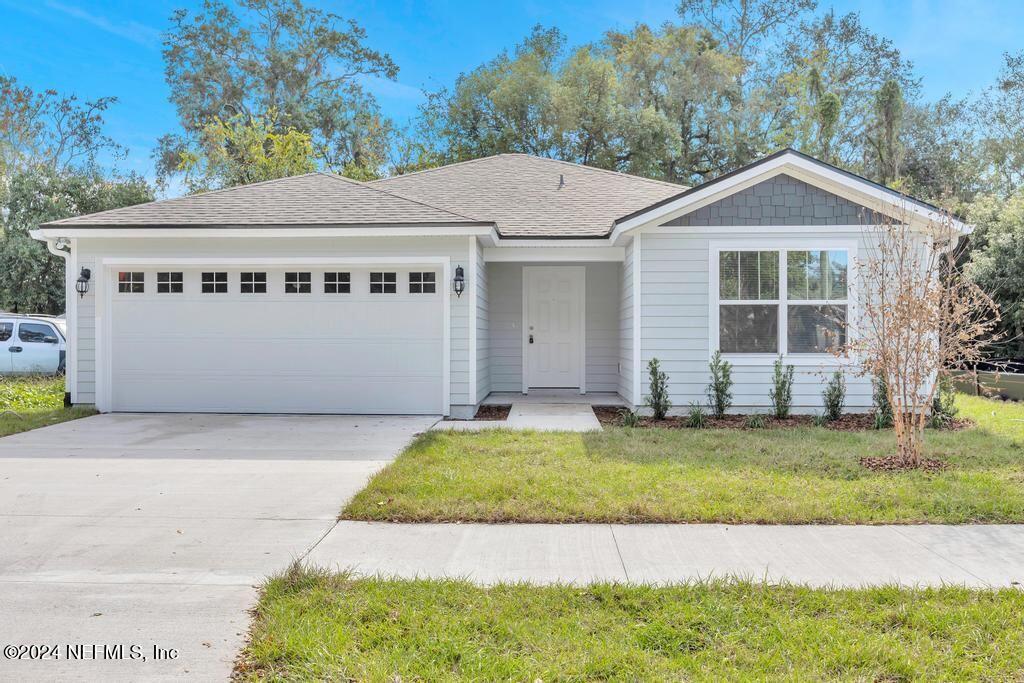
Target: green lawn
[[804, 475], [316, 626], [30, 402]]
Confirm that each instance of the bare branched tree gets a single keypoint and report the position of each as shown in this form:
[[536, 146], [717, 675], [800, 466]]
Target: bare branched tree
[[920, 320]]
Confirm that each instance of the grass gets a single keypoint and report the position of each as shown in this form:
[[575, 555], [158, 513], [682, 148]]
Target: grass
[[310, 625], [803, 475], [30, 402]]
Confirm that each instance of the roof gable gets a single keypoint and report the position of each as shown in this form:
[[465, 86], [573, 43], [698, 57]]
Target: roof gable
[[532, 197], [305, 200]]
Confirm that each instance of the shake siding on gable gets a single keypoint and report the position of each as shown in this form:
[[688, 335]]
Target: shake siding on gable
[[676, 290]]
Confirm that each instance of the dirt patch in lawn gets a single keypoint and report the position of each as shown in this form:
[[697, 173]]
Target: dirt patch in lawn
[[492, 413]]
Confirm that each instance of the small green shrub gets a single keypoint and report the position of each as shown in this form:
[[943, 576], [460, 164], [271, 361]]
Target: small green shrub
[[629, 418], [756, 421], [944, 408], [658, 400], [882, 407], [696, 418], [719, 390], [781, 392], [818, 420], [834, 396]]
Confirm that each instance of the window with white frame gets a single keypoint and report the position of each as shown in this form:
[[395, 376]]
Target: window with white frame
[[170, 283], [792, 301], [131, 283], [253, 283], [422, 283]]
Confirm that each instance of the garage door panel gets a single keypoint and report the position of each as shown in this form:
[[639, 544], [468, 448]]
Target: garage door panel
[[273, 352]]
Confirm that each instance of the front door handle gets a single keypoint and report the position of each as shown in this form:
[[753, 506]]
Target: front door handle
[[531, 338], [15, 349]]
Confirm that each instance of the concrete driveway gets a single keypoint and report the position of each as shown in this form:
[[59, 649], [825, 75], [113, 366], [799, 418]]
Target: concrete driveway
[[154, 531]]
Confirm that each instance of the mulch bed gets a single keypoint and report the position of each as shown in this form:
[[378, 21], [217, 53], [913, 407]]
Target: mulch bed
[[492, 413], [894, 464], [852, 422]]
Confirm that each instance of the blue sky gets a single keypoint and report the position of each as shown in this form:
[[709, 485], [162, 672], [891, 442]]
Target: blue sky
[[95, 48]]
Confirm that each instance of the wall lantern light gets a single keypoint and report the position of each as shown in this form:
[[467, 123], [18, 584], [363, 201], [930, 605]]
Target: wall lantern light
[[459, 283], [82, 286]]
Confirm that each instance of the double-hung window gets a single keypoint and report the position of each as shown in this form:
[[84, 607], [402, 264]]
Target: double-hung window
[[782, 301]]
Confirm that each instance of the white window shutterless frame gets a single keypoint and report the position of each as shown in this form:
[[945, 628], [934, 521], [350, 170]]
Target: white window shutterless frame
[[782, 246]]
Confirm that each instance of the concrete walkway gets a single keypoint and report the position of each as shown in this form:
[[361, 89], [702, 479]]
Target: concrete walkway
[[980, 556], [157, 529], [563, 417]]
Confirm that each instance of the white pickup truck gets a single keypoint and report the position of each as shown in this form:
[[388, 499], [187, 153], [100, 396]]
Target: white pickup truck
[[32, 344]]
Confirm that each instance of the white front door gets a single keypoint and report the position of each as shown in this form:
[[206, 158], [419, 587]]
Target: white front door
[[554, 326]]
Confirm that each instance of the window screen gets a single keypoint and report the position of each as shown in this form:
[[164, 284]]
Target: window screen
[[337, 283], [817, 290], [422, 283], [133, 282], [170, 283], [746, 277]]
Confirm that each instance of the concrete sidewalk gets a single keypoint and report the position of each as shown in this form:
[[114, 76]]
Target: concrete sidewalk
[[562, 417], [979, 556]]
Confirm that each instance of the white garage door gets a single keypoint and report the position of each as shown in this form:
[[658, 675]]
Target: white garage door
[[262, 340]]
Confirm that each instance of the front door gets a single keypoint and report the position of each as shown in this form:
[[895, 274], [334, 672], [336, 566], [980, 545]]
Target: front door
[[554, 326]]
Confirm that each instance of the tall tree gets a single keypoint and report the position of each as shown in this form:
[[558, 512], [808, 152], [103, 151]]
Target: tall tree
[[889, 108], [1000, 111], [304, 66]]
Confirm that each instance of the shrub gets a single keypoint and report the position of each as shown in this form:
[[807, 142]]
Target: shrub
[[756, 421], [944, 408], [719, 390], [781, 392], [629, 418], [882, 406], [834, 396], [818, 420], [696, 418], [658, 399]]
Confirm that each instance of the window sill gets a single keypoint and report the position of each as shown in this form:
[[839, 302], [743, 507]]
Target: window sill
[[795, 359]]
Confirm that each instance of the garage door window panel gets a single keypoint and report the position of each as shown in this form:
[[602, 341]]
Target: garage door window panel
[[337, 283], [132, 282], [170, 283], [254, 283], [215, 282], [422, 283], [383, 283], [298, 283]]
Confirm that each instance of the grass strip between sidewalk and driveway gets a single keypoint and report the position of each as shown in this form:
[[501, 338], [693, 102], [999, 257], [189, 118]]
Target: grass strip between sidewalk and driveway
[[31, 402], [312, 625], [798, 476]]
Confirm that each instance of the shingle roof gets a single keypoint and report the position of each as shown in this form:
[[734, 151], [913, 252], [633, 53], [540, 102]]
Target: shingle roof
[[311, 199], [528, 196]]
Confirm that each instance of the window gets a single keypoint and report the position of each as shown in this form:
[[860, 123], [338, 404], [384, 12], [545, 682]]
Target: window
[[748, 298], [422, 283], [254, 283], [337, 283], [298, 283], [6, 330], [383, 283], [215, 283], [788, 300], [133, 283], [170, 283], [817, 294], [37, 333]]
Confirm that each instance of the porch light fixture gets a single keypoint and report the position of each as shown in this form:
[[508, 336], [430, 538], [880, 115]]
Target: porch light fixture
[[459, 283], [82, 286]]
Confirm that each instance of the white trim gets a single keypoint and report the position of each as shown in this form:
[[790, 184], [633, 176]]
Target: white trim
[[814, 173], [582, 271], [547, 253], [783, 246], [810, 230], [474, 391], [104, 301], [637, 320], [255, 231]]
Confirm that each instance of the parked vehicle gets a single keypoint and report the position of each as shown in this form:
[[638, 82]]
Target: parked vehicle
[[32, 344]]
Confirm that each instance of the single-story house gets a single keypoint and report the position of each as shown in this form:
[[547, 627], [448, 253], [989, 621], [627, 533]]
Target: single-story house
[[428, 292]]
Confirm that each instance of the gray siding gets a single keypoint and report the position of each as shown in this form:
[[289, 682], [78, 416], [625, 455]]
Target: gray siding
[[602, 326], [90, 251], [483, 347], [675, 302], [782, 200], [625, 384]]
